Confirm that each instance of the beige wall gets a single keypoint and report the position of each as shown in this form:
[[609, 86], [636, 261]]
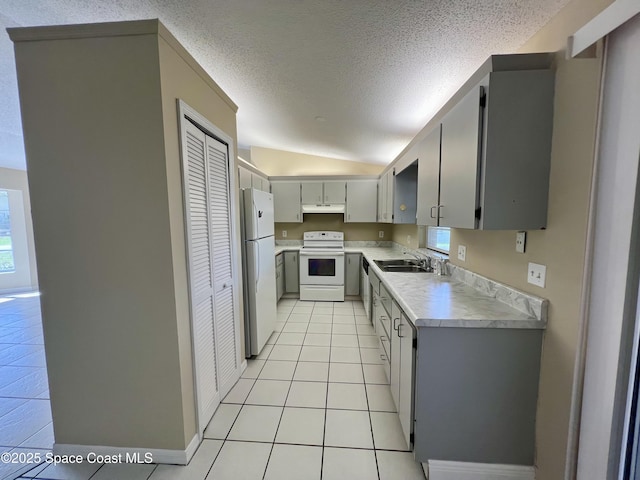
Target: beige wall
[[182, 79], [561, 246], [278, 162], [406, 235], [93, 129], [25, 277], [334, 222]]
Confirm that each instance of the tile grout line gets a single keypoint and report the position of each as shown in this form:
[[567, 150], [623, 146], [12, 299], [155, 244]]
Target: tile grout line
[[275, 434], [366, 393]]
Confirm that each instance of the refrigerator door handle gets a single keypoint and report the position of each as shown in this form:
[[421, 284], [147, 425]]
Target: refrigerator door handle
[[257, 265]]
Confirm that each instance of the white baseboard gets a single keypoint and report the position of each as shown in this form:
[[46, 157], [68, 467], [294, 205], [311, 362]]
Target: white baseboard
[[158, 455], [192, 447], [441, 470]]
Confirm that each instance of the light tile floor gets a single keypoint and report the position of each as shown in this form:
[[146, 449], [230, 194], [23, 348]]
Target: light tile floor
[[25, 413], [314, 404]]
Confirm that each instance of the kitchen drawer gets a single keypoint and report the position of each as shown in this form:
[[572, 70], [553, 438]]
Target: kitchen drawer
[[374, 281], [385, 321], [385, 299], [279, 259], [384, 346]]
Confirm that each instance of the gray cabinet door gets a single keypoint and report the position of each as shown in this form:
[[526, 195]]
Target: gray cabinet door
[[312, 192], [406, 334], [334, 192], [382, 200], [286, 202], [429, 178], [291, 272], [352, 274], [362, 201], [395, 354], [460, 159], [244, 177], [279, 282], [390, 184]]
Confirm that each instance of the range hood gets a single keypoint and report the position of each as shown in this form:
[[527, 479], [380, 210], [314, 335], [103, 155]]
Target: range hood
[[327, 208]]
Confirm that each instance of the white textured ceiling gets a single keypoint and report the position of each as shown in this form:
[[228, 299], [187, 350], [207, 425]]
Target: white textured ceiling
[[375, 70]]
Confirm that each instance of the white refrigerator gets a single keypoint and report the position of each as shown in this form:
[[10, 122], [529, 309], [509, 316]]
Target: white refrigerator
[[259, 269]]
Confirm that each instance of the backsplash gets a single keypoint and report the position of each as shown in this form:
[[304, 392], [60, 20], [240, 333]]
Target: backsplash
[[334, 222]]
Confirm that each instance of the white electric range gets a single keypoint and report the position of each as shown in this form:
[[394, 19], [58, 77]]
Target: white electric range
[[322, 267]]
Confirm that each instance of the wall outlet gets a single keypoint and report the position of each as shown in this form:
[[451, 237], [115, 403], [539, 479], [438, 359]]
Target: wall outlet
[[284, 234], [537, 274], [521, 238], [462, 252], [381, 234]]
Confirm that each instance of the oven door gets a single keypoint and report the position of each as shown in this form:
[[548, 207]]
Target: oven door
[[321, 268]]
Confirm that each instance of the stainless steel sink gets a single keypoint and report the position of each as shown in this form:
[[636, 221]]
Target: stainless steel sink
[[399, 262], [402, 265]]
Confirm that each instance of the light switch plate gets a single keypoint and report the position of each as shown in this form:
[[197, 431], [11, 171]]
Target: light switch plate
[[521, 238], [537, 274], [284, 234], [381, 234], [462, 252]]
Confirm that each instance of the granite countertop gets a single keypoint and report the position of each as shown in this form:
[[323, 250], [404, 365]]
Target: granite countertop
[[462, 299]]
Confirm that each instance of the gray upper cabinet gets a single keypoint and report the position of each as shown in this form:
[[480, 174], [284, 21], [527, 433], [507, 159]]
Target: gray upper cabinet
[[249, 179], [245, 177], [429, 178], [286, 202], [461, 134], [385, 197], [494, 151], [257, 182], [361, 201], [391, 177], [335, 192], [405, 194], [323, 192], [312, 192]]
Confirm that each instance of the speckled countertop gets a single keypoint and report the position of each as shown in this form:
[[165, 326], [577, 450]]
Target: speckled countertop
[[430, 300]]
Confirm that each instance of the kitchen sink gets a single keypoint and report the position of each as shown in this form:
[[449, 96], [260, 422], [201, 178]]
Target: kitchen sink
[[402, 265]]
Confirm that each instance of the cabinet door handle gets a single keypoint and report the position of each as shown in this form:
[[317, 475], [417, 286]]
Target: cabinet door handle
[[401, 336], [440, 207], [431, 212], [349, 216], [395, 327]]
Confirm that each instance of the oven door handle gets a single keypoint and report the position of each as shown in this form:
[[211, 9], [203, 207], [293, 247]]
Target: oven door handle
[[322, 254]]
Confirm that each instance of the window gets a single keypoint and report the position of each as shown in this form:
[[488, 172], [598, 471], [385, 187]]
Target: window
[[438, 238], [7, 264]]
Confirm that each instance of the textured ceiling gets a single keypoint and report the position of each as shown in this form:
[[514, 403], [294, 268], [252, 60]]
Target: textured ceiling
[[375, 71]]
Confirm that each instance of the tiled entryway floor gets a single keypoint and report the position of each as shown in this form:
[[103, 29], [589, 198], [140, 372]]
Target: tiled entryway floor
[[25, 413], [313, 405]]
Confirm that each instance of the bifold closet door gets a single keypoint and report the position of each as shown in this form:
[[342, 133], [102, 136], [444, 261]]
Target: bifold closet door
[[223, 282], [201, 273], [215, 336]]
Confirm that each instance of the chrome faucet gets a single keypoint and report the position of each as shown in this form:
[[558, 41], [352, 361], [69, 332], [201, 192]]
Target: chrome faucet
[[424, 262]]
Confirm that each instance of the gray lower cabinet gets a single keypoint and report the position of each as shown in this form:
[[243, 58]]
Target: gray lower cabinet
[[476, 394], [352, 274], [279, 276], [462, 394], [291, 272], [403, 369]]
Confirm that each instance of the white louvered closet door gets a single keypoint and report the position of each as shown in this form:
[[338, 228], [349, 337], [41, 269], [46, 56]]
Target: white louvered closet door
[[224, 314], [201, 273]]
